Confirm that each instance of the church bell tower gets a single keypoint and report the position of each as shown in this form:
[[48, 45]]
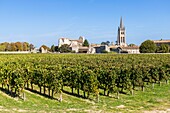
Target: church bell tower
[[121, 37]]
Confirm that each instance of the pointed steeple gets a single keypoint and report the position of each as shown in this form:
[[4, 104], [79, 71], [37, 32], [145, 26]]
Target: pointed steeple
[[121, 23], [121, 38]]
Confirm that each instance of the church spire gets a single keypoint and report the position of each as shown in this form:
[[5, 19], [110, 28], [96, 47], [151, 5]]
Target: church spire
[[121, 23], [121, 38]]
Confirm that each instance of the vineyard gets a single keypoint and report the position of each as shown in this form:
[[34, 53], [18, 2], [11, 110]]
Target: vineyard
[[86, 76]]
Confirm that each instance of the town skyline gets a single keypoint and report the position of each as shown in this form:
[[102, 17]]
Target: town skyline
[[44, 22]]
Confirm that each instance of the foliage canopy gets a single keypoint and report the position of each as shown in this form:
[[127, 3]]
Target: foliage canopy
[[86, 43], [147, 46], [65, 48]]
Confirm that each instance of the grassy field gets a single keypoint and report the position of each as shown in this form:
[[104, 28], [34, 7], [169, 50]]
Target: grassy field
[[151, 100]]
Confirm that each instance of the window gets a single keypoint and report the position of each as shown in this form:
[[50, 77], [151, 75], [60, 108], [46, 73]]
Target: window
[[124, 39]]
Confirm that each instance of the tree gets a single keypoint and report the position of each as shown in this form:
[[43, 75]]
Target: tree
[[52, 48], [106, 43], [65, 48], [86, 43], [103, 43], [163, 48], [148, 46], [5, 44], [2, 47], [25, 46], [31, 46], [56, 48], [13, 47], [19, 46], [131, 45]]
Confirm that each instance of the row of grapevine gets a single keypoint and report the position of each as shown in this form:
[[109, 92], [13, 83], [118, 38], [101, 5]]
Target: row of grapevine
[[85, 73]]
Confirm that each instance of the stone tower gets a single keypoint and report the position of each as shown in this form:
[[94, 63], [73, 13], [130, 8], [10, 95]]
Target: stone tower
[[121, 37]]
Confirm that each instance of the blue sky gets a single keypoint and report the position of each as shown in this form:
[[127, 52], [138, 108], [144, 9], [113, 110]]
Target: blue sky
[[45, 21]]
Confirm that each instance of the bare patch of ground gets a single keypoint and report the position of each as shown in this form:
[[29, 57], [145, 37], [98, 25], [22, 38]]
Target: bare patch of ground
[[120, 107], [158, 111], [88, 101]]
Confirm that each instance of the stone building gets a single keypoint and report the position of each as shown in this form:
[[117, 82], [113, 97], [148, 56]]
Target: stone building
[[71, 42], [131, 50], [74, 44], [42, 50], [101, 49], [121, 37], [159, 42]]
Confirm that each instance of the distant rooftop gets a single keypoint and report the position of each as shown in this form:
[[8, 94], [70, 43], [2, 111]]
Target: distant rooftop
[[130, 47], [161, 41]]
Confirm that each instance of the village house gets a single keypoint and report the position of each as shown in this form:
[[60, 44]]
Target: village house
[[159, 42]]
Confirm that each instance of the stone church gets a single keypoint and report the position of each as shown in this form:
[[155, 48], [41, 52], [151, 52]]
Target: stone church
[[121, 39], [121, 46]]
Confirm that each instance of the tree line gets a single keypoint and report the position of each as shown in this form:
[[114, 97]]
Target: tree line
[[16, 46]]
